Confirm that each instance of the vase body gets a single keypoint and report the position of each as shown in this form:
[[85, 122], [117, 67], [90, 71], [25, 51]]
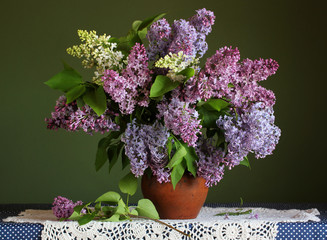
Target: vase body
[[184, 202]]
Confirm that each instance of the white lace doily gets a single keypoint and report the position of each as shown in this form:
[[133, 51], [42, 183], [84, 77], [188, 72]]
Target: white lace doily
[[205, 226]]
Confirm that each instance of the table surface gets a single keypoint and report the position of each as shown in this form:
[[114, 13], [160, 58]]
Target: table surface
[[286, 231]]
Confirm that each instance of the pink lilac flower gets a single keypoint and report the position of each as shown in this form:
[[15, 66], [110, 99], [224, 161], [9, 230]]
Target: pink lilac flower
[[224, 77], [72, 118], [181, 119], [145, 146], [159, 37], [131, 88], [87, 120], [63, 207], [211, 163], [60, 118], [245, 82]]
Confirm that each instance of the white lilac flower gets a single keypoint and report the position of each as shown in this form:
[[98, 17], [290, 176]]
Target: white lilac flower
[[98, 51]]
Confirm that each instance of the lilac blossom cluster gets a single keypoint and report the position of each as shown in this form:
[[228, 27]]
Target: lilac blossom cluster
[[72, 118], [186, 36], [131, 88], [63, 207], [224, 76], [181, 118], [211, 163], [145, 146], [253, 130]]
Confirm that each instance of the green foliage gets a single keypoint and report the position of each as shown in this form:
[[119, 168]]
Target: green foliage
[[96, 99], [104, 143], [109, 197], [128, 184], [65, 80], [187, 73], [162, 85], [190, 159], [211, 110], [75, 93], [177, 173], [246, 162], [178, 156], [146, 208]]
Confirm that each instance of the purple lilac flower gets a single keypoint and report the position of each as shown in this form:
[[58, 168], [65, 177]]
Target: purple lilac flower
[[253, 216], [211, 162], [184, 35], [181, 118], [145, 146], [130, 88], [159, 39], [63, 207], [203, 20], [251, 131]]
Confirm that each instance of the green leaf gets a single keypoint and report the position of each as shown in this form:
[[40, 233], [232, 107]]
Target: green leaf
[[134, 212], [216, 104], [125, 160], [128, 184], [65, 80], [178, 156], [147, 22], [121, 207], [80, 102], [113, 218], [208, 117], [112, 156], [187, 72], [75, 93], [162, 85], [142, 33], [75, 216], [97, 206], [136, 24], [246, 162], [146, 208], [101, 155], [109, 197], [96, 99], [86, 219], [169, 146], [177, 173], [190, 159]]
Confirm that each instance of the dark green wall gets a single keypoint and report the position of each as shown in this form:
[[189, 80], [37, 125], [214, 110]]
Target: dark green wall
[[38, 164]]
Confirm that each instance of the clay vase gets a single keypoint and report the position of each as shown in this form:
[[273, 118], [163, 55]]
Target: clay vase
[[184, 202]]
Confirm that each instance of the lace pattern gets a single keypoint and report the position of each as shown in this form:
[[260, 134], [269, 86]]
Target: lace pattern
[[205, 226]]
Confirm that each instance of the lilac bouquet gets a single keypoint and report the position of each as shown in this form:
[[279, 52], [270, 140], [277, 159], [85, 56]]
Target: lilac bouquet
[[163, 112]]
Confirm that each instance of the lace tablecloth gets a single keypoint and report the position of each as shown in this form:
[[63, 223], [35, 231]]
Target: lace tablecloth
[[205, 226]]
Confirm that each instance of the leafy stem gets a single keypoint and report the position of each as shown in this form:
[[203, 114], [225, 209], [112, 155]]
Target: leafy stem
[[234, 213]]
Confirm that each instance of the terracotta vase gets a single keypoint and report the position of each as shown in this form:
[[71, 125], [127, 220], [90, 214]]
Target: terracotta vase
[[184, 202]]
